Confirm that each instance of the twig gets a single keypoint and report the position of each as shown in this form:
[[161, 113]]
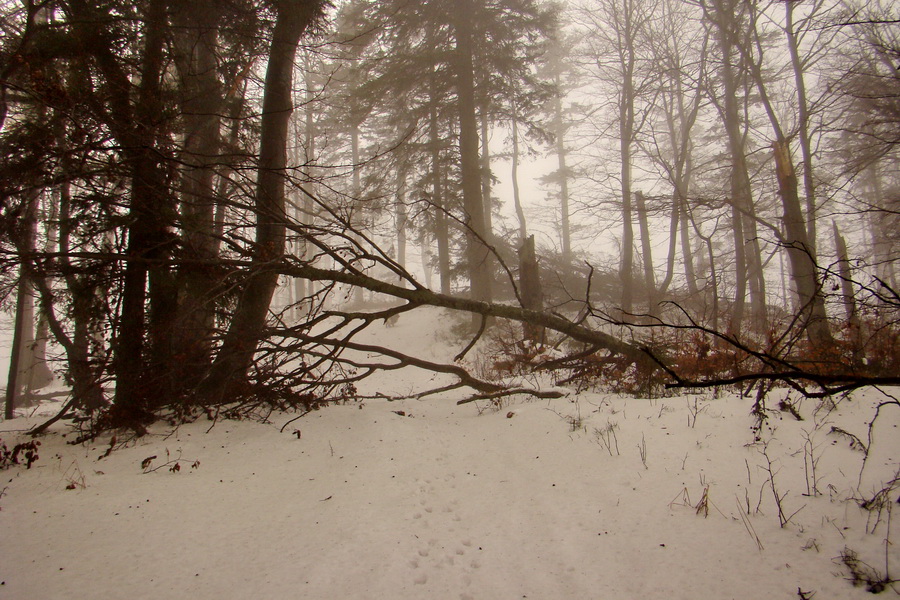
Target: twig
[[751, 531], [510, 392], [474, 340]]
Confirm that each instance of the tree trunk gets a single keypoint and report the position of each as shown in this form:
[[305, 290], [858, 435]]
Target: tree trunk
[[357, 211], [690, 273], [884, 256], [227, 376], [146, 235], [801, 255], [86, 390], [626, 135], [847, 295], [646, 252], [672, 247], [236, 96], [425, 249], [302, 288], [21, 357], [442, 230], [626, 269], [520, 213], [740, 273], [681, 191], [25, 320], [423, 296], [400, 216], [477, 252], [748, 263], [803, 266], [560, 132], [530, 289], [713, 279], [201, 107], [486, 174], [755, 267], [626, 139], [40, 375], [12, 382], [680, 121], [803, 134]]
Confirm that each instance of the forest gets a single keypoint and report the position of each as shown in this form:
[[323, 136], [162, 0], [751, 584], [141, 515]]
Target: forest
[[449, 299], [204, 204]]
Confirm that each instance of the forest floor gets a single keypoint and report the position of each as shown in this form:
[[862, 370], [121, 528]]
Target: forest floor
[[593, 495]]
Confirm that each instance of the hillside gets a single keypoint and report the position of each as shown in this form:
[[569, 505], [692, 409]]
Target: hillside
[[589, 496]]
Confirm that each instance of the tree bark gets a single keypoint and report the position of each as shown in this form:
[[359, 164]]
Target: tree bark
[[725, 15], [803, 134], [146, 234], [357, 210], [530, 289], [227, 376], [646, 252], [24, 319], [87, 392], [400, 216], [477, 251], [423, 296], [801, 254], [672, 247], [847, 295], [690, 272], [803, 266], [201, 106], [560, 147], [880, 227], [304, 289], [12, 381], [442, 230], [517, 202], [626, 137], [486, 174]]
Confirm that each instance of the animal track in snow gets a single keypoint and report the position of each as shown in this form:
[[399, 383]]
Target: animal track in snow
[[440, 551]]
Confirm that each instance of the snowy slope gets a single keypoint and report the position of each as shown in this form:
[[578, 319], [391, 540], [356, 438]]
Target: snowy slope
[[534, 499]]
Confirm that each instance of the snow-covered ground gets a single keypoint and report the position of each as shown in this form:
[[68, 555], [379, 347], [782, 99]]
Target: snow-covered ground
[[589, 496]]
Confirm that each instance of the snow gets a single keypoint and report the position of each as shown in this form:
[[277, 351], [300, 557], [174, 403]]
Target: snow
[[523, 500]]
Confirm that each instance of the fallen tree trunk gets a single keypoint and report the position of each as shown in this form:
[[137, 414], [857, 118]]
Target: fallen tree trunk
[[421, 296]]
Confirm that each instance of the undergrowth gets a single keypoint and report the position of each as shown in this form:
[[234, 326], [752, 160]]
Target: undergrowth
[[24, 453]]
